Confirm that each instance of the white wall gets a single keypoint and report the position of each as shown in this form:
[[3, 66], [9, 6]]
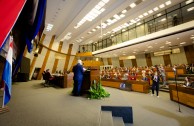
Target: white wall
[[127, 63], [105, 61], [179, 58], [157, 60], [141, 60], [50, 61], [115, 62]]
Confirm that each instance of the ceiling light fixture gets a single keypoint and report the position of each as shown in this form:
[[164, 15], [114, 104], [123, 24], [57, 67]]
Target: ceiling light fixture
[[168, 2], [188, 1], [156, 8], [132, 5], [150, 11], [162, 6], [95, 12]]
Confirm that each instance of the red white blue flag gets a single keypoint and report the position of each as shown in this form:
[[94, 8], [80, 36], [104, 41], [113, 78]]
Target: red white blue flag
[[7, 73], [9, 12]]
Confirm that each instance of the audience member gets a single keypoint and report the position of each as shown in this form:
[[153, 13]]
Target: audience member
[[155, 84]]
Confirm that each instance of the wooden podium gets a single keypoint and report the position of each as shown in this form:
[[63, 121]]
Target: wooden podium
[[89, 76]]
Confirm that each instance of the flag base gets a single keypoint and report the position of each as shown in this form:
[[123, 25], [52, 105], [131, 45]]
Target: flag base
[[4, 109]]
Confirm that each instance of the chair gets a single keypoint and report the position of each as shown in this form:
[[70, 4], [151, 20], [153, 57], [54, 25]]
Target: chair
[[46, 78]]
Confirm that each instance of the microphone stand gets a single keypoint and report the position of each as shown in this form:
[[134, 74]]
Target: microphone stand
[[177, 90]]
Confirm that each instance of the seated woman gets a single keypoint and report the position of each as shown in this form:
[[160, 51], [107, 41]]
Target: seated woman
[[144, 75], [187, 82], [132, 76]]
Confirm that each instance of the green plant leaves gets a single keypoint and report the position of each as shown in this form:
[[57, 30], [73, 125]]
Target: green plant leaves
[[97, 91]]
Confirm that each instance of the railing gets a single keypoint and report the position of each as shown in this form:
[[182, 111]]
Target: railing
[[170, 17]]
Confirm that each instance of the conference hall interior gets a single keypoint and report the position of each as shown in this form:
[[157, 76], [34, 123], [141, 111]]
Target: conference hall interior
[[137, 58]]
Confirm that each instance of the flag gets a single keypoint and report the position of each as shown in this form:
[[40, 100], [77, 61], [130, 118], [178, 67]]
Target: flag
[[9, 12], [7, 73]]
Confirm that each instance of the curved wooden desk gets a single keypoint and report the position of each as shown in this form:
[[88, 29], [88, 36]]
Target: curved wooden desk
[[186, 94], [133, 85]]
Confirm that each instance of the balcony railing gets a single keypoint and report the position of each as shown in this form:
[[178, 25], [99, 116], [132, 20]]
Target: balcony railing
[[176, 15]]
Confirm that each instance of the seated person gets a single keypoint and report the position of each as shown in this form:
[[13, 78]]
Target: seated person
[[132, 76], [48, 75], [187, 82], [144, 75]]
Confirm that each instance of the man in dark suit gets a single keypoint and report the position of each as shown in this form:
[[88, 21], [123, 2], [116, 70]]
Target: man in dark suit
[[155, 84], [78, 78]]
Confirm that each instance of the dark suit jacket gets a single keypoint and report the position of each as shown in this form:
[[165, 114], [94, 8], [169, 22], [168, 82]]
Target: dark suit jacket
[[78, 72], [158, 80]]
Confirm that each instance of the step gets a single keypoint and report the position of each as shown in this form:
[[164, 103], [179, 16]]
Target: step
[[118, 121], [106, 118]]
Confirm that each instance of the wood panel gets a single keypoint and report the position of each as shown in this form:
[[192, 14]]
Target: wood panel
[[68, 57], [46, 58], [134, 62], [68, 80], [74, 62], [109, 61], [57, 60], [92, 63], [189, 52], [32, 65], [138, 86], [84, 54], [25, 51], [185, 94], [121, 63], [148, 59], [167, 60]]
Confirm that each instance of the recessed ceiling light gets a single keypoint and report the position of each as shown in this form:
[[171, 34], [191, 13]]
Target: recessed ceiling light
[[124, 11], [167, 42], [145, 14], [162, 6], [159, 14], [156, 8], [177, 38], [183, 43], [140, 16], [190, 9], [168, 2], [188, 1], [150, 11], [132, 5]]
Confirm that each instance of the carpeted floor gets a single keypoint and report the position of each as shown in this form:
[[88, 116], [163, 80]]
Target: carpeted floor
[[35, 105]]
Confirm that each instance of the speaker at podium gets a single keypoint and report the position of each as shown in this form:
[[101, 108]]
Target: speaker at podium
[[93, 73]]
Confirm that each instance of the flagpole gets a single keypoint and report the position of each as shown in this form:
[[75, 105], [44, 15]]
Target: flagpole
[[3, 97]]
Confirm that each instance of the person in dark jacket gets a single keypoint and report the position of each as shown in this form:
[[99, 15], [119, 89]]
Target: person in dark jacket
[[78, 78], [155, 84]]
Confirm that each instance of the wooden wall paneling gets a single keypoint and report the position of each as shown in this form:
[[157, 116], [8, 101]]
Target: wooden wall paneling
[[68, 57], [121, 63], [57, 60], [134, 62], [25, 51], [109, 61], [74, 62], [189, 52], [46, 58], [167, 60], [32, 65], [148, 59]]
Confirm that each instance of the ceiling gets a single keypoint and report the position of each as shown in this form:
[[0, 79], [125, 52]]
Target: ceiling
[[64, 15]]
